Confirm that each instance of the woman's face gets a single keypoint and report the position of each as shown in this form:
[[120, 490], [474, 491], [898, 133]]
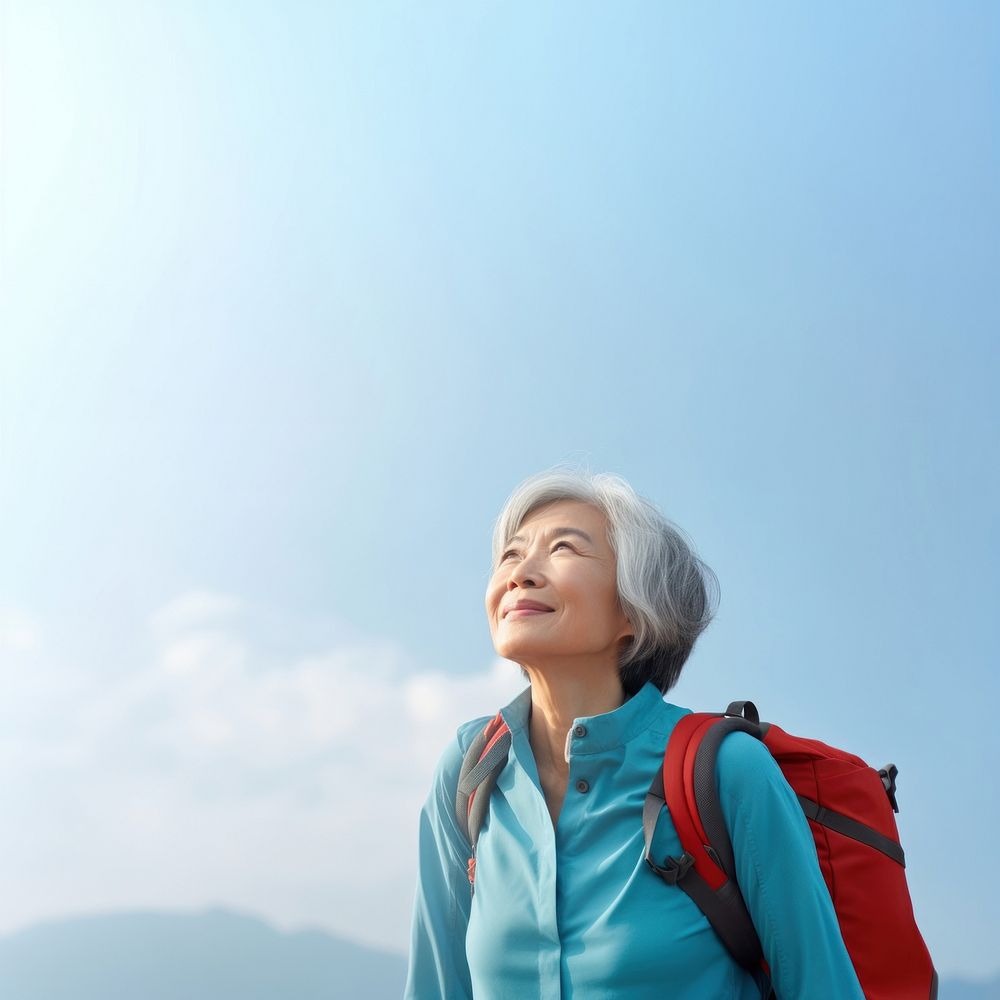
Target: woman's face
[[561, 560]]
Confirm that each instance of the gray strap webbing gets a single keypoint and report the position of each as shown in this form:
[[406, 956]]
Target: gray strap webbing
[[650, 813], [744, 709], [705, 791], [725, 909], [469, 761], [853, 829], [477, 777], [727, 913]]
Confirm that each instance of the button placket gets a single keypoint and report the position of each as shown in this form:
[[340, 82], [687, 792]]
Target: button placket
[[579, 732]]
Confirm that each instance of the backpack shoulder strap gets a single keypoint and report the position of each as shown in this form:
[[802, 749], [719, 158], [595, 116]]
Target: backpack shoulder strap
[[483, 762], [705, 869]]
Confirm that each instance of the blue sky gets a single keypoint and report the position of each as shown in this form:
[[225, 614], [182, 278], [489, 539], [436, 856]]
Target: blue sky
[[294, 295]]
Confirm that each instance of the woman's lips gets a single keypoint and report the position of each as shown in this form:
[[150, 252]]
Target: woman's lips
[[519, 612]]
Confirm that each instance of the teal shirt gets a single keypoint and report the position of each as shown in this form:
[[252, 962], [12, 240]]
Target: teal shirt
[[575, 913]]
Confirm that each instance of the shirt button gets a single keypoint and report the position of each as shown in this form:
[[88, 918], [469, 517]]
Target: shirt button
[[583, 786], [580, 731]]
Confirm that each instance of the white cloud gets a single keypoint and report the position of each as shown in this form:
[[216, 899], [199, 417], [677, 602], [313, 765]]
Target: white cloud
[[19, 631], [194, 609], [218, 773]]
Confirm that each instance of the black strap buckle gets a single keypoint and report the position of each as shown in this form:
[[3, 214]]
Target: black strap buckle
[[888, 776], [673, 869]]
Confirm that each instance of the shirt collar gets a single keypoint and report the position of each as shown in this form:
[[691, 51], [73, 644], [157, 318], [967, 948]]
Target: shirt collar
[[603, 732]]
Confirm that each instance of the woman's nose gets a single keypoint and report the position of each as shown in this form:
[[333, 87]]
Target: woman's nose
[[525, 574]]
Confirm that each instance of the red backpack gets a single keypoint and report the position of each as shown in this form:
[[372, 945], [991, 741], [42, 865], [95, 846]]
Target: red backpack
[[850, 809]]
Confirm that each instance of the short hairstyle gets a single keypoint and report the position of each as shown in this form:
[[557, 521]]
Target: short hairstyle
[[668, 594]]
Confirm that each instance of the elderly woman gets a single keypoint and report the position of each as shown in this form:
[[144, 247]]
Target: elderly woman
[[600, 600]]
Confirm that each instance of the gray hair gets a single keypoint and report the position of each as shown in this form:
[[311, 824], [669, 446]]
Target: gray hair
[[668, 594]]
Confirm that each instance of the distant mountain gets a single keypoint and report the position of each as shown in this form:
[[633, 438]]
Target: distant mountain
[[218, 955], [215, 955]]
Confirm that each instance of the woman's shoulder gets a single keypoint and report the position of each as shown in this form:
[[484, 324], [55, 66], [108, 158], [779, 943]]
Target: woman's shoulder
[[450, 762], [468, 731], [743, 757], [751, 785], [439, 807]]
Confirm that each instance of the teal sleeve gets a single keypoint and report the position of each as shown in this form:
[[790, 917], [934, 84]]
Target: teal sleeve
[[438, 968], [779, 874]]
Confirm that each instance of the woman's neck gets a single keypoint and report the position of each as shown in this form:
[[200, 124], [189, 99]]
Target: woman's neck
[[557, 700]]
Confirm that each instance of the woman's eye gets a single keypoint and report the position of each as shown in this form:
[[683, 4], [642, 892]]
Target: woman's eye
[[513, 552]]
